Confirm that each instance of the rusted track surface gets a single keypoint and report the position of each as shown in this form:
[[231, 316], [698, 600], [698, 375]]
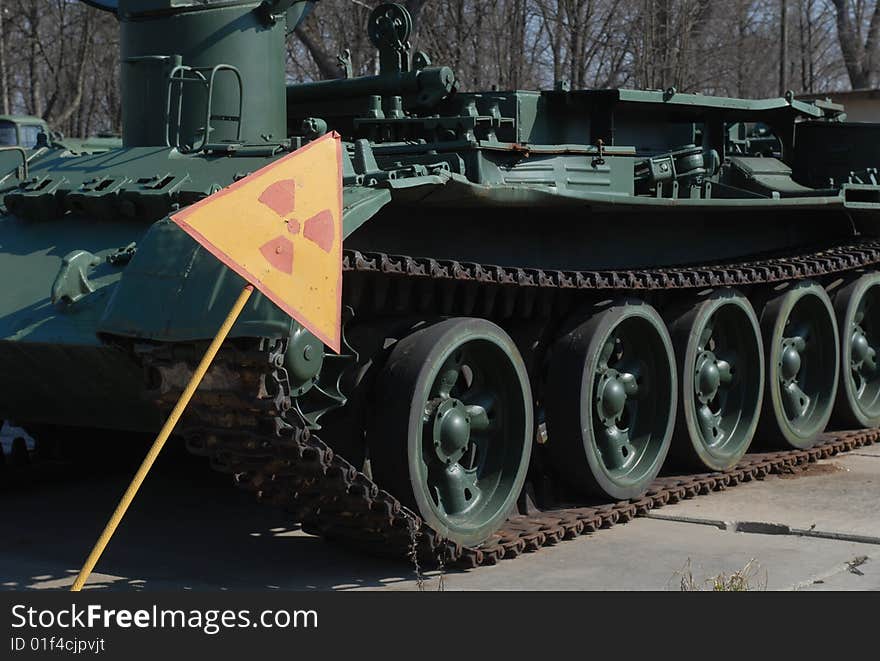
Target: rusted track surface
[[298, 471], [251, 431], [547, 528], [772, 269]]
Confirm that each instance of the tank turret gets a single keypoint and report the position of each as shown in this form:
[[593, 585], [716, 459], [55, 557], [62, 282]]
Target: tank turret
[[200, 73]]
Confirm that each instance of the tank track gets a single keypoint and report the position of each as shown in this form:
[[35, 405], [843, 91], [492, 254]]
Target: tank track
[[249, 431]]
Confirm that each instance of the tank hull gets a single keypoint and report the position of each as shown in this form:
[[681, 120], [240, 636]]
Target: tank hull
[[545, 294]]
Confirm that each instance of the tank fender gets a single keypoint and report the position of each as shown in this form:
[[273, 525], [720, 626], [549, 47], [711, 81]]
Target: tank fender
[[173, 290]]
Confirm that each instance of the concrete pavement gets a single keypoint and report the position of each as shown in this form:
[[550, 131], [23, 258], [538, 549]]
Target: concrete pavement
[[190, 530]]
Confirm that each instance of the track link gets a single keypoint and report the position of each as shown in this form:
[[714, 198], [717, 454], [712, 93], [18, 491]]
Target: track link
[[252, 433]]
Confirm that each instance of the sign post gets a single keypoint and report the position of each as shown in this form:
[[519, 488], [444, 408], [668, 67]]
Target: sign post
[[280, 229]]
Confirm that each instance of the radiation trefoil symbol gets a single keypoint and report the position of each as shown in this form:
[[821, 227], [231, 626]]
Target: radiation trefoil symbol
[[280, 228], [280, 252]]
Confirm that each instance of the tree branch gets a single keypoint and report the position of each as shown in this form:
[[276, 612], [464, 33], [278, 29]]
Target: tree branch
[[326, 62]]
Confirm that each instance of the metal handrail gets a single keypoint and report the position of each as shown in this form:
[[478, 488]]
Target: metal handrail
[[178, 76], [172, 79], [209, 116]]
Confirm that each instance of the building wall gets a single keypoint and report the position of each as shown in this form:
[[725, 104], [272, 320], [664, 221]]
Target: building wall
[[861, 109], [861, 105]]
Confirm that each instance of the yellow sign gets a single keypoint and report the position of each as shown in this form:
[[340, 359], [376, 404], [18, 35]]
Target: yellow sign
[[280, 229]]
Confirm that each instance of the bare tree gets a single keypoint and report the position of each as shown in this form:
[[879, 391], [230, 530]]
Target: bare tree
[[59, 58], [857, 27], [4, 77]]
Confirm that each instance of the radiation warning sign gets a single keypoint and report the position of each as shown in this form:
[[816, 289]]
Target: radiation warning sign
[[280, 229]]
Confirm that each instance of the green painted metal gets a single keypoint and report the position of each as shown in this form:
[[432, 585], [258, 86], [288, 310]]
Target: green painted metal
[[612, 392], [186, 72], [455, 426], [801, 347], [93, 144], [428, 170], [718, 347], [858, 317]]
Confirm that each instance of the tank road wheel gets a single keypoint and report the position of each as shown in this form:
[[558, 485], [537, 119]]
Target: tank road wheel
[[802, 357], [453, 427], [611, 397], [721, 370], [858, 318]]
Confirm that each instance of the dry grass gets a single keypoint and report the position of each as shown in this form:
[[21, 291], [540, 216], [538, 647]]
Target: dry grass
[[749, 578]]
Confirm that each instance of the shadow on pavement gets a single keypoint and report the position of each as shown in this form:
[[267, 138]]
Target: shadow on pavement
[[189, 528]]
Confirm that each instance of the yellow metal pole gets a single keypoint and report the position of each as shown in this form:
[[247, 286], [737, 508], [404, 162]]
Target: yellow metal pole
[[179, 408]]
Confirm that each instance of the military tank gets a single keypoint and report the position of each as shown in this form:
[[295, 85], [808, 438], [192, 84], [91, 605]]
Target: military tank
[[549, 297]]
